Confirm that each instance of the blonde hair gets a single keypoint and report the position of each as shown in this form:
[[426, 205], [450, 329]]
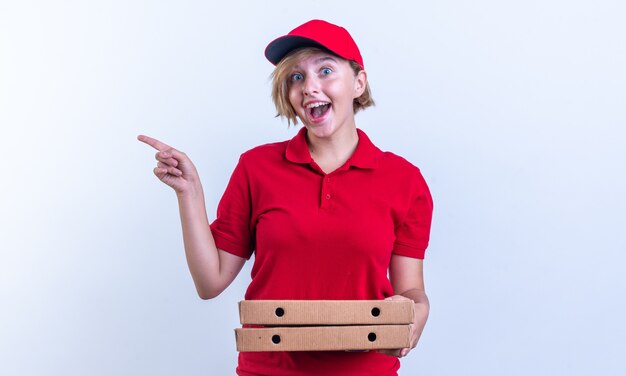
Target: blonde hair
[[280, 84]]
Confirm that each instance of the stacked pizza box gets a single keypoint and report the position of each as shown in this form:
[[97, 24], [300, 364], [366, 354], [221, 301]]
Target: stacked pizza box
[[324, 325]]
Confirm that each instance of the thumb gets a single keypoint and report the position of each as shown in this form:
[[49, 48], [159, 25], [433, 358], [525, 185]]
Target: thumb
[[183, 162], [397, 297]]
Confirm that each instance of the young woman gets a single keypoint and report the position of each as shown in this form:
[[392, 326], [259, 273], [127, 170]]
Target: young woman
[[327, 214]]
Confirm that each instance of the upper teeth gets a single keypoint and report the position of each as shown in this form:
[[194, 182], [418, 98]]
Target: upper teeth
[[316, 104]]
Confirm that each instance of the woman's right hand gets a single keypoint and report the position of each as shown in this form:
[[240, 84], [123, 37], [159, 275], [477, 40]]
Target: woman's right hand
[[173, 168]]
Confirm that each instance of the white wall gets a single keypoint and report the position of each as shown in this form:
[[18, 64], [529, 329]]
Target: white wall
[[515, 112]]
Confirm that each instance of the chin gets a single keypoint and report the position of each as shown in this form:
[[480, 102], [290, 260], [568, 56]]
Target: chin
[[320, 130]]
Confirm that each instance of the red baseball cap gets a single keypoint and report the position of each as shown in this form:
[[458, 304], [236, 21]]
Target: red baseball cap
[[315, 33]]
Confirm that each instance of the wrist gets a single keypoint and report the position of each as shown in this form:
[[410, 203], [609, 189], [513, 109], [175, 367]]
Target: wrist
[[192, 192]]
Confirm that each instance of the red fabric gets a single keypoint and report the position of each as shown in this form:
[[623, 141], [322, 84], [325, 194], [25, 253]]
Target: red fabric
[[322, 236]]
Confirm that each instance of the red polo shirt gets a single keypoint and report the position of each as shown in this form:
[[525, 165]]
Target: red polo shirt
[[322, 236]]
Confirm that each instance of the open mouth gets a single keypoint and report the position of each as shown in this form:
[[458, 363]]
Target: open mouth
[[318, 109]]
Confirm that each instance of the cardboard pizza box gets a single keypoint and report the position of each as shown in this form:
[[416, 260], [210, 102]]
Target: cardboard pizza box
[[323, 338], [326, 312]]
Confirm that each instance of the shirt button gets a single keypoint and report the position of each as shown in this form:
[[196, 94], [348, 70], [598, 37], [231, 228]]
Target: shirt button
[[328, 196], [327, 180]]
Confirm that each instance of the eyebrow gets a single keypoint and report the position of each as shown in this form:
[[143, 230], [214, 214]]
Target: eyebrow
[[325, 58], [319, 60]]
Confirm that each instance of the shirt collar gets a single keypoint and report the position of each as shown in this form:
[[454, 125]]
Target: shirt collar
[[365, 156]]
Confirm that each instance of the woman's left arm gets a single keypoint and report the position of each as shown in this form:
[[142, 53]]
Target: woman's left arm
[[407, 278]]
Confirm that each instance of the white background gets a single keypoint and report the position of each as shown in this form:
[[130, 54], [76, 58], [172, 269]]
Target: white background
[[514, 110]]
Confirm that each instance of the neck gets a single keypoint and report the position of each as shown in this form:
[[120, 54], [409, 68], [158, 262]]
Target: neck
[[331, 153]]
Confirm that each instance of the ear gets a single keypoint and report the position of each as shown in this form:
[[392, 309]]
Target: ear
[[360, 82]]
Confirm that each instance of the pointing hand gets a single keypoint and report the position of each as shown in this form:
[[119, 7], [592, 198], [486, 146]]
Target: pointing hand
[[173, 168]]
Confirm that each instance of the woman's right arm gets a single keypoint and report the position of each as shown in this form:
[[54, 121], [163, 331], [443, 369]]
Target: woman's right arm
[[212, 269]]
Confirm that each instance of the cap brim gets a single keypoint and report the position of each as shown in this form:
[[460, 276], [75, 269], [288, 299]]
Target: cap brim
[[280, 47]]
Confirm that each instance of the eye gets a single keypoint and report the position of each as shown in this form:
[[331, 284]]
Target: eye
[[326, 71], [297, 77]]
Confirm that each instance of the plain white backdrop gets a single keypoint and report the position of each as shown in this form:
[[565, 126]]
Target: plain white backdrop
[[515, 111]]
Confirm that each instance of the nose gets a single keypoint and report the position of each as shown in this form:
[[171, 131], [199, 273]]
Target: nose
[[310, 85]]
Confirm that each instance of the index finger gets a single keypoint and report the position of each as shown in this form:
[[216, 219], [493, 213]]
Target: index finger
[[160, 146]]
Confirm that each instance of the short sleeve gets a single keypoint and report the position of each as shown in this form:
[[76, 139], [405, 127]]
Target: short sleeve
[[413, 234], [232, 229]]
